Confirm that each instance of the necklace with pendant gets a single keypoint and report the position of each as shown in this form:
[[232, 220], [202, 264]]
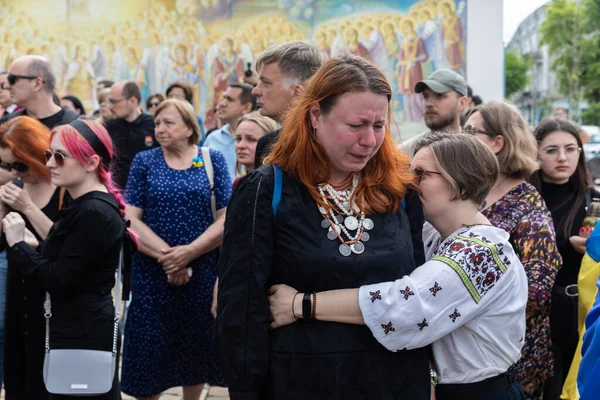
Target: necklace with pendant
[[349, 222]]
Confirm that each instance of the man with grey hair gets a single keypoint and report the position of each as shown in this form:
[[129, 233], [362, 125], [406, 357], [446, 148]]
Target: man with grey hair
[[31, 83], [283, 72]]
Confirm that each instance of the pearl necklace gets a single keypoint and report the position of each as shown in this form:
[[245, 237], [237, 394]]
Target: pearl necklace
[[354, 221]]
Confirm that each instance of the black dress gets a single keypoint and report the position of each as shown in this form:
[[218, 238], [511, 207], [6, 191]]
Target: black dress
[[77, 267], [25, 326], [563, 315], [314, 359]]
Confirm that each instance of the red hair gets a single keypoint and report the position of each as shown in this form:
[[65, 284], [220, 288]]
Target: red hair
[[27, 138], [385, 178]]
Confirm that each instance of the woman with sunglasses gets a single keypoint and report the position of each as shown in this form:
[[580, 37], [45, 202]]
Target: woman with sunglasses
[[153, 102], [517, 207], [33, 195], [76, 264], [467, 300], [565, 184]]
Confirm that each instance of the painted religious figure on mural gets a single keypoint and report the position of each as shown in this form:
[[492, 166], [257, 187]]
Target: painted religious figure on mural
[[452, 34], [412, 54]]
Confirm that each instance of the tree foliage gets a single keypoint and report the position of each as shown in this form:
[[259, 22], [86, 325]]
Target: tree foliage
[[516, 69], [566, 31]]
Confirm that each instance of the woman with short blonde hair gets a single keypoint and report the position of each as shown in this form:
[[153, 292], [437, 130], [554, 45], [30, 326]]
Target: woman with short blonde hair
[[517, 207]]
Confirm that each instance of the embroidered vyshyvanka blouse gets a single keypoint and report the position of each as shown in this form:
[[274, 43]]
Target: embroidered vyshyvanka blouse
[[468, 301]]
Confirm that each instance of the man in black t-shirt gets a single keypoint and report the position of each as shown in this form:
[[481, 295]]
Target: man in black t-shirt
[[31, 83], [132, 131]]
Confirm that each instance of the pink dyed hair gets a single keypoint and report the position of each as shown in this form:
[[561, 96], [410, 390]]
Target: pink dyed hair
[[82, 151]]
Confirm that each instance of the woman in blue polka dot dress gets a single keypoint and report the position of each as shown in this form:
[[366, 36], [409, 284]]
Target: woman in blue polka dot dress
[[168, 334]]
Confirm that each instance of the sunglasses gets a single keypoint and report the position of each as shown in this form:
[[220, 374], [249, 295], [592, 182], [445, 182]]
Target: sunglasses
[[420, 173], [154, 105], [17, 166], [12, 79], [59, 158]]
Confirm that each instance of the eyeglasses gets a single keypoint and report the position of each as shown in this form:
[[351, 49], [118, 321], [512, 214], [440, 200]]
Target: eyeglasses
[[152, 105], [570, 152], [420, 173], [59, 158], [12, 79], [471, 130], [113, 101], [17, 166]]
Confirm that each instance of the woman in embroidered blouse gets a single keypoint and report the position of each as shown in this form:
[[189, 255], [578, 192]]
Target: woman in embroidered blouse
[[516, 206], [336, 141], [468, 300]]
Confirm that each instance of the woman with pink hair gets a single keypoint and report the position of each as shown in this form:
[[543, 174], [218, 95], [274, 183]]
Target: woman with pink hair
[[76, 264]]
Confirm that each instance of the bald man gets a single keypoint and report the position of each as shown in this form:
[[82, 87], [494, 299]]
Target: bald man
[[31, 83], [131, 130]]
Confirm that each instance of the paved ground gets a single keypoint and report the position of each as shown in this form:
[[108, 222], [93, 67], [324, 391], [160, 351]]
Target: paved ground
[[214, 393]]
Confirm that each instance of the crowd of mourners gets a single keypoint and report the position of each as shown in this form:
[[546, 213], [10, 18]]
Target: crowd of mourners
[[296, 251]]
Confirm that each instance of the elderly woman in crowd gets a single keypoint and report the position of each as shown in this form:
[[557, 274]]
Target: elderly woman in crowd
[[105, 113], [516, 206], [332, 229], [169, 326], [23, 141], [468, 299]]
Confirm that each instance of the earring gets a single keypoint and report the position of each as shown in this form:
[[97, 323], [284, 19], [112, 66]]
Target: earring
[[314, 134]]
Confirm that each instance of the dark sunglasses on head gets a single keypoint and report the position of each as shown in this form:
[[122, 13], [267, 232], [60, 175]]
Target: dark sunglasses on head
[[12, 79], [17, 166], [59, 158]]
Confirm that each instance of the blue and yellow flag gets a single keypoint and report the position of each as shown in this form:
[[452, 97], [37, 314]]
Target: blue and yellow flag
[[588, 379]]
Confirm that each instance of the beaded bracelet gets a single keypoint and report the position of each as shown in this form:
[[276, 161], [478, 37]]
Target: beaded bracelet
[[314, 306]]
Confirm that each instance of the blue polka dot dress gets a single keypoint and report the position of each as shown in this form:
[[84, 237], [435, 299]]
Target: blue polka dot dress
[[168, 334]]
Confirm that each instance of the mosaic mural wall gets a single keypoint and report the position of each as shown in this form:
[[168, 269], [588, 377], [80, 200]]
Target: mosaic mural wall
[[208, 43]]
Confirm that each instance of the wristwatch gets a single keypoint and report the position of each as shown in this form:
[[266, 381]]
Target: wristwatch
[[433, 376]]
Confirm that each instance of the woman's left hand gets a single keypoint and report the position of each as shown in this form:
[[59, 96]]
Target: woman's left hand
[[176, 258], [17, 198], [280, 305], [14, 228]]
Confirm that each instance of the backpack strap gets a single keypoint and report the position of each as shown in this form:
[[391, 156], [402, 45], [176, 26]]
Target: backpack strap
[[211, 179], [276, 190], [403, 202]]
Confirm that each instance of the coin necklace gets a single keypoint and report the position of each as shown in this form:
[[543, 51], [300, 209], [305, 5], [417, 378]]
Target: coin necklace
[[350, 218]]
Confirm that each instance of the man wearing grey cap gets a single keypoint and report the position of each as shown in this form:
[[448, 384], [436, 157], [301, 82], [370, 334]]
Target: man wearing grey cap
[[445, 97]]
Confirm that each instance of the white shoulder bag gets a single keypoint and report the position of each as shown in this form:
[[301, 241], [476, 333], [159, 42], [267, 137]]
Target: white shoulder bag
[[78, 372]]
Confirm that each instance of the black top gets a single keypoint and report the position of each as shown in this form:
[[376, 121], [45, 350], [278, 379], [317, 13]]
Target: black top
[[25, 324], [77, 267], [63, 117], [129, 138], [560, 199], [313, 359], [264, 146]]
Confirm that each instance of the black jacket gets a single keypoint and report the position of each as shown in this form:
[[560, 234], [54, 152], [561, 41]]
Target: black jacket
[[77, 267]]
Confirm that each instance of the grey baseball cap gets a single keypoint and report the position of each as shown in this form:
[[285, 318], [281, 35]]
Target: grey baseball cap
[[443, 80]]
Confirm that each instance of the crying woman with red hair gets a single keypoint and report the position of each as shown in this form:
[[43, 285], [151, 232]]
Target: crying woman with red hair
[[336, 207]]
